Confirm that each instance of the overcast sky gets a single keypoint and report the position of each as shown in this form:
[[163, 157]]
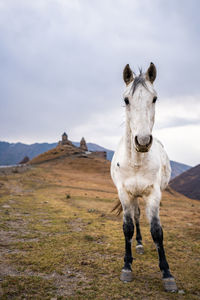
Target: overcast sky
[[61, 64]]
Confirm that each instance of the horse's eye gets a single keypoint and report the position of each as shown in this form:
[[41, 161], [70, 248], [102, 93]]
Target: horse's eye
[[126, 101], [154, 99]]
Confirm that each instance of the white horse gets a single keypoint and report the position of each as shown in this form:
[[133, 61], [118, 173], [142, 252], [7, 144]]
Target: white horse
[[140, 168]]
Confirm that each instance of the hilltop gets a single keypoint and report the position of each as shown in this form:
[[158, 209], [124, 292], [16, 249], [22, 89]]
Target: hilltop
[[66, 148], [57, 152]]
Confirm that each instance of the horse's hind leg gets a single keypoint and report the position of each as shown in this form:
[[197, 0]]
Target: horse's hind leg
[[139, 246], [157, 235]]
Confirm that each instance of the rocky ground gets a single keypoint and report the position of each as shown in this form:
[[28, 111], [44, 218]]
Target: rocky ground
[[59, 240]]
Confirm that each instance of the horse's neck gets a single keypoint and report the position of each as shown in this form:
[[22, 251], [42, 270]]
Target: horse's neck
[[134, 158]]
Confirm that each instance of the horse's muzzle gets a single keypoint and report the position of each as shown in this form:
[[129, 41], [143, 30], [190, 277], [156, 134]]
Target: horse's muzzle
[[143, 143]]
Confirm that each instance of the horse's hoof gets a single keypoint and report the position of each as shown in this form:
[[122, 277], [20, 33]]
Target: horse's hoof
[[139, 249], [126, 275], [170, 285]]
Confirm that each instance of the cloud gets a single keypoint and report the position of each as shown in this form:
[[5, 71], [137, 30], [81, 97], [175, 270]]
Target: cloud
[[62, 62], [178, 111], [181, 143]]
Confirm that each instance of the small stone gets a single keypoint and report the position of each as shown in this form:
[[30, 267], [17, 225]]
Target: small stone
[[6, 206], [91, 210], [182, 292], [84, 263]]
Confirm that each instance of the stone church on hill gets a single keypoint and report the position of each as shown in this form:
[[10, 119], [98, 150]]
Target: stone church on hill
[[64, 140], [83, 146]]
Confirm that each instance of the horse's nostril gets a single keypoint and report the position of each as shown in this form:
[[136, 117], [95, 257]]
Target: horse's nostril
[[136, 140]]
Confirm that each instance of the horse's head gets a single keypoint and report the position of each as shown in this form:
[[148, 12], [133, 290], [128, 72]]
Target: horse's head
[[140, 98]]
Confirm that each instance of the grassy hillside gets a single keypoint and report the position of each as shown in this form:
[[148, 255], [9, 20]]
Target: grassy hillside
[[60, 240], [56, 153]]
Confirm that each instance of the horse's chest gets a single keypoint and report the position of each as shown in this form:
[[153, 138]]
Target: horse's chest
[[139, 181]]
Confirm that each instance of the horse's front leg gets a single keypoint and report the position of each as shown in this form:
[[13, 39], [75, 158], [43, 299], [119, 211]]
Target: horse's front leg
[[153, 203], [128, 229], [139, 246]]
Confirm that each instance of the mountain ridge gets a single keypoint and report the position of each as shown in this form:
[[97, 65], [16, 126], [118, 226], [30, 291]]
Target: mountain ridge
[[188, 183], [13, 153]]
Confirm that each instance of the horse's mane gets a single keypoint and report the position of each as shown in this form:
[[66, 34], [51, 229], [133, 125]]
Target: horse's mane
[[140, 79]]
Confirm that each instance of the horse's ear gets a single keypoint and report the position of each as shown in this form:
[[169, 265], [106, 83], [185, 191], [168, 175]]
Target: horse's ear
[[127, 74], [151, 73]]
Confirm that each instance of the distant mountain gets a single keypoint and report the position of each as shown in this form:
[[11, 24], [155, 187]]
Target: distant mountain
[[13, 153], [178, 168], [188, 183]]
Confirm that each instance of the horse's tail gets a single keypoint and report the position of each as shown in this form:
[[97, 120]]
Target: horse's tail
[[118, 208]]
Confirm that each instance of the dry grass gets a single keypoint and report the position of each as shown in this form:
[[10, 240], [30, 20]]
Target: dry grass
[[59, 238], [59, 151]]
